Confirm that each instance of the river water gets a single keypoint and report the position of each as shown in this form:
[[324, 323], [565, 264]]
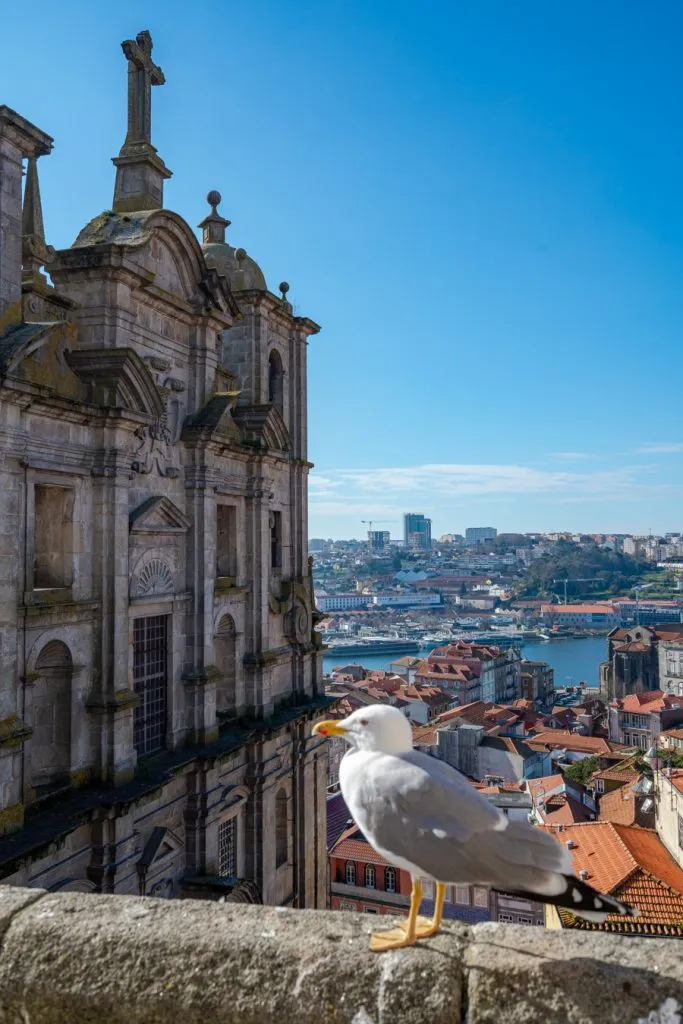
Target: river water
[[572, 660]]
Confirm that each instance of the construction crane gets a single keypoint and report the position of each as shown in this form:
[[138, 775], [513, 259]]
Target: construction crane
[[577, 579], [369, 522], [638, 588]]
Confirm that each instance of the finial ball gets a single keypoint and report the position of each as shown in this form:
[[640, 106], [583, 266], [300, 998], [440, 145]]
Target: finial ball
[[240, 255], [284, 287], [213, 198]]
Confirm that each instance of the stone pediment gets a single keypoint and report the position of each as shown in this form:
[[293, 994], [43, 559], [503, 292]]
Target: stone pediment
[[117, 378], [214, 420], [158, 515], [39, 354], [159, 843], [167, 248], [214, 293], [263, 427]]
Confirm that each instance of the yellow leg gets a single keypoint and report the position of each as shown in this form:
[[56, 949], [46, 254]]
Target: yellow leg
[[397, 938], [433, 926], [423, 926]]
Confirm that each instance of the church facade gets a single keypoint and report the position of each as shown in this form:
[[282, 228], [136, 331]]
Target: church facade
[[159, 667]]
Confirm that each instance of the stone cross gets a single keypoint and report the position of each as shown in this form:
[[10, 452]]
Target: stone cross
[[143, 73]]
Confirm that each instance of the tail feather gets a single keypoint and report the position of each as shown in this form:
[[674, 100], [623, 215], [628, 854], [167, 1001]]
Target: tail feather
[[583, 900]]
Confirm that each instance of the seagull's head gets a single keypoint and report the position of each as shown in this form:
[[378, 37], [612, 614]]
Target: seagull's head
[[377, 728]]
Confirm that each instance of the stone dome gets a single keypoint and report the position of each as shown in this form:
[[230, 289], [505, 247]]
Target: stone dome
[[241, 271]]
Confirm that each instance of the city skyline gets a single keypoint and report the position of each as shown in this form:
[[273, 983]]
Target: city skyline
[[579, 495], [481, 207]]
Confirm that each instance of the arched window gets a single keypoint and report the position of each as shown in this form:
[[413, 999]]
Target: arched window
[[370, 876], [275, 379], [350, 873], [281, 830], [51, 715], [390, 879], [225, 653]]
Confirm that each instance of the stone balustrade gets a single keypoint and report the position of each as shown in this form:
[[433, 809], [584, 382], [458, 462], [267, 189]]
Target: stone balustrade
[[86, 959]]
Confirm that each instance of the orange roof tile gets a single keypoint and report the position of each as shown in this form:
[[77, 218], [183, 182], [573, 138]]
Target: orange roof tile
[[618, 807], [634, 864], [425, 734], [674, 734], [544, 786], [650, 700], [648, 850], [661, 910], [599, 851], [573, 741], [562, 809], [579, 609], [352, 845], [675, 777]]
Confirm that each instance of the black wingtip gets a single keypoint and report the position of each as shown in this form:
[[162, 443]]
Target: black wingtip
[[583, 900]]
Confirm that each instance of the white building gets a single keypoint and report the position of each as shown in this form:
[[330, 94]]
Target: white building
[[597, 616], [342, 602], [479, 534], [407, 600]]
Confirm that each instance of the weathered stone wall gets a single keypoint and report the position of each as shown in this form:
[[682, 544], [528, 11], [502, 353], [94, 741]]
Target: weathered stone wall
[[132, 960]]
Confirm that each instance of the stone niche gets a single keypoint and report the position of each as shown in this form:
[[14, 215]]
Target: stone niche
[[157, 548]]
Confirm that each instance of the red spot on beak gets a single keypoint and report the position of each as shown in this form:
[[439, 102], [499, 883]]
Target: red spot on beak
[[323, 732]]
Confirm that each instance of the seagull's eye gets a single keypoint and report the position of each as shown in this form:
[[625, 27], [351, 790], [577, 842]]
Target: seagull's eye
[[363, 721]]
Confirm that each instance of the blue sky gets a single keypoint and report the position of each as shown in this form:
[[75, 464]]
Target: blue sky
[[480, 202]]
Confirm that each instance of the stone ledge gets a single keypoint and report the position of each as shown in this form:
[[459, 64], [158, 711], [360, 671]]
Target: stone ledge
[[128, 960]]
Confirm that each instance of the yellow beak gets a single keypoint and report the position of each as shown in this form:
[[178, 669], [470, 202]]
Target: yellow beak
[[328, 728]]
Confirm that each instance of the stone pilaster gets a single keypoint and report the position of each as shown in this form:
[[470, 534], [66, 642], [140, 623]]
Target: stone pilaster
[[19, 139]]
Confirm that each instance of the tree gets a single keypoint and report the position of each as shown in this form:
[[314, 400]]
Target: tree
[[607, 572], [581, 771]]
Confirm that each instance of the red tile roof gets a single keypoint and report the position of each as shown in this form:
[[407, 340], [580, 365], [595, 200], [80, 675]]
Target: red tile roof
[[676, 778], [562, 809], [473, 713], [565, 740], [425, 734], [634, 864], [649, 852], [625, 771], [352, 845], [619, 807], [544, 786], [654, 699], [673, 734], [579, 609]]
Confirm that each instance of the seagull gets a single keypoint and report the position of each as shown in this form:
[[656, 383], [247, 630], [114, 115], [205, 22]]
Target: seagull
[[423, 816]]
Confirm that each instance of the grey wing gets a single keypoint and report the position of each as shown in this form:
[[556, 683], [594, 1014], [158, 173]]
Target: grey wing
[[431, 816], [428, 795]]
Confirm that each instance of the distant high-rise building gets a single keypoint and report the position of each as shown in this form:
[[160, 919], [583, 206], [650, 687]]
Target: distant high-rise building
[[479, 534], [417, 531], [378, 541]]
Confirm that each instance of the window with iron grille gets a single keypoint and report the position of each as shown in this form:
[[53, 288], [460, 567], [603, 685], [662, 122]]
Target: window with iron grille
[[680, 831], [227, 848], [150, 642]]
